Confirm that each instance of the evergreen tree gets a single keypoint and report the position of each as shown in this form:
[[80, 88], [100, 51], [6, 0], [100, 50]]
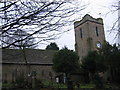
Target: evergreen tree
[[52, 46], [66, 61]]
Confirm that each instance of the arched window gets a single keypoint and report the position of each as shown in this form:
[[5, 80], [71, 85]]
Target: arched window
[[97, 32], [81, 33]]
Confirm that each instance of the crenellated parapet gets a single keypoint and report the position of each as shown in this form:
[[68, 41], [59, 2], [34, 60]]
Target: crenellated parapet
[[86, 18]]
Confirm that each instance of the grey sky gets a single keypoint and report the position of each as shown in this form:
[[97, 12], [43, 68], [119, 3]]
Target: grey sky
[[96, 8]]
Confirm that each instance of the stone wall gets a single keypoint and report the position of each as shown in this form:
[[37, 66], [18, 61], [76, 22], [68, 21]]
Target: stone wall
[[10, 72]]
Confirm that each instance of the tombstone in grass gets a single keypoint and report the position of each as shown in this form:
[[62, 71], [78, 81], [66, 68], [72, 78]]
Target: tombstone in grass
[[51, 76], [64, 78], [34, 79], [69, 83], [57, 79]]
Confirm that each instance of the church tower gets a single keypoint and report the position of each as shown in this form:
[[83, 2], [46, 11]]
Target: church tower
[[89, 35]]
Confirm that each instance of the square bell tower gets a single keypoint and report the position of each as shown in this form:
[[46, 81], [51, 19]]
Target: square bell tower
[[89, 35]]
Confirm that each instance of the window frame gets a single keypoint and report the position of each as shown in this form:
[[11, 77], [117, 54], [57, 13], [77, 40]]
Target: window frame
[[97, 31]]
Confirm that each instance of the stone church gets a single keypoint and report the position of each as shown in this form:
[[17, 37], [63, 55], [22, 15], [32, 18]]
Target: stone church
[[89, 35], [30, 62]]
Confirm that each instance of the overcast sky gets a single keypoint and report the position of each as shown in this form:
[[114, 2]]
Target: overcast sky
[[97, 9]]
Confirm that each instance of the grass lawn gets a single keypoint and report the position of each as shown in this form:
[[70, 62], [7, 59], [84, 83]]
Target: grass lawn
[[47, 84], [87, 85], [7, 85], [56, 85]]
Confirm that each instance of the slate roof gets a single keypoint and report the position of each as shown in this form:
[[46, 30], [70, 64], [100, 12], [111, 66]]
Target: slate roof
[[33, 56]]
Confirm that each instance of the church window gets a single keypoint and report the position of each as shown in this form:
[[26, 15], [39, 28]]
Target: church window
[[97, 33], [81, 33]]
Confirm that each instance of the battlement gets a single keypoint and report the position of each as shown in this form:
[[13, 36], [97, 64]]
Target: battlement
[[86, 18]]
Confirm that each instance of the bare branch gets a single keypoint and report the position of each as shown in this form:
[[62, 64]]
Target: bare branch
[[43, 19]]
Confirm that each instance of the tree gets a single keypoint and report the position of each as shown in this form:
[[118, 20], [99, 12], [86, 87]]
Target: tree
[[111, 55], [19, 35], [93, 64], [52, 46], [115, 29], [65, 61], [44, 20]]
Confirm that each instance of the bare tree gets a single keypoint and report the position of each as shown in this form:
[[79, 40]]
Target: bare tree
[[42, 19], [19, 35], [115, 8]]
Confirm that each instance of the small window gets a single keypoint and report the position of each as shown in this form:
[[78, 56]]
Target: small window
[[81, 33], [97, 33]]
